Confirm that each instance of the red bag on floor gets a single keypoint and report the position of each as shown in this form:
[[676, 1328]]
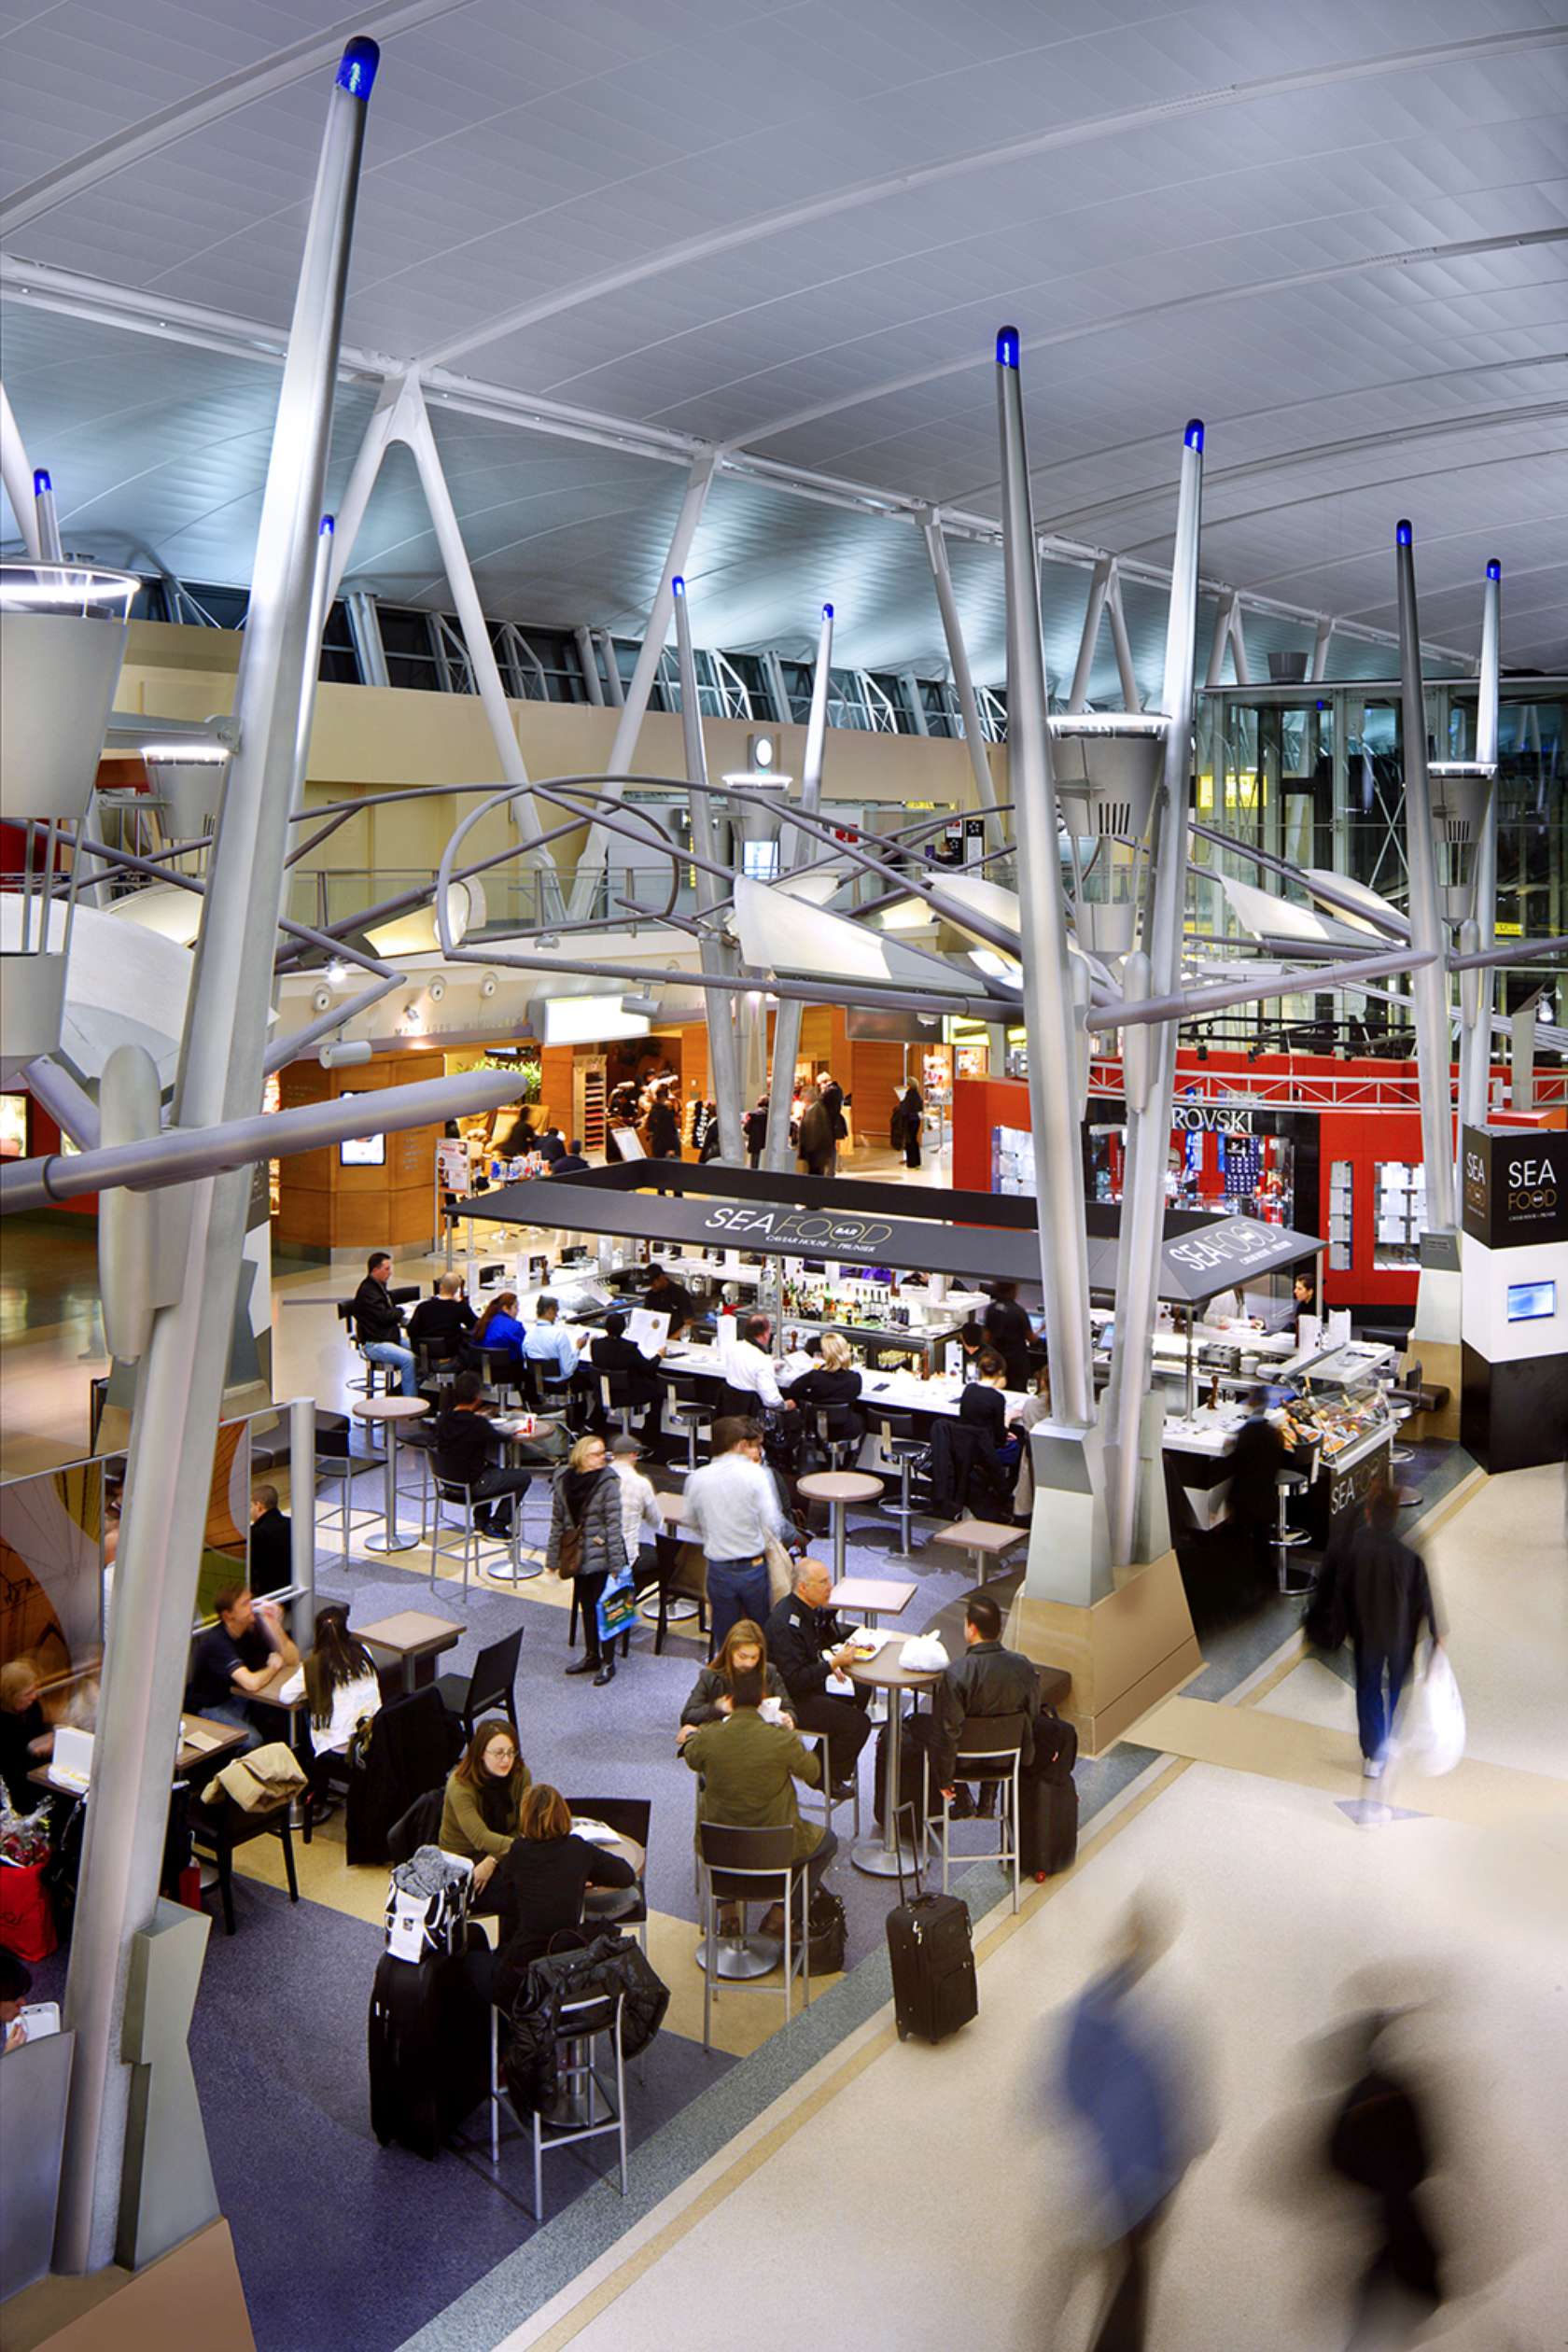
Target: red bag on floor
[[191, 1887], [26, 1919]]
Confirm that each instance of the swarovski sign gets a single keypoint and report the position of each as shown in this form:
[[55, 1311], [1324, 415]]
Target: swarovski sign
[[1210, 1118]]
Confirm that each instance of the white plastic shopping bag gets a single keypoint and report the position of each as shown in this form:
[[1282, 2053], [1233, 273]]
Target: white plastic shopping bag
[[1434, 1731]]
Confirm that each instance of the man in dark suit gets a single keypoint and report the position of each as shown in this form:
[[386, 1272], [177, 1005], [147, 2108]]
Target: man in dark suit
[[621, 1357], [441, 1325], [1010, 1332], [802, 1627], [271, 1543], [570, 1163]]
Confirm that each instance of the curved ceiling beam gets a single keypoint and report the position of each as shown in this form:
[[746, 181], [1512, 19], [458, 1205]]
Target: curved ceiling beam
[[162, 129], [1396, 437], [1217, 427], [861, 193], [1182, 306]]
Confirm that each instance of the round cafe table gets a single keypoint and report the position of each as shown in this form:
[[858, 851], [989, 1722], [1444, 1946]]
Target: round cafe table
[[390, 1410], [838, 1489], [878, 1856]]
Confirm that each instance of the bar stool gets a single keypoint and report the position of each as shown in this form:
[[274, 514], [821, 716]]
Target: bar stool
[[902, 1444], [673, 1604], [615, 1401], [838, 1489], [744, 1867], [990, 1752], [697, 1418], [1288, 1483], [819, 1740]]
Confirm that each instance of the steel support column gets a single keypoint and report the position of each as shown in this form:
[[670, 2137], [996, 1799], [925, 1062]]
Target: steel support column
[[1317, 668], [792, 845], [1475, 1036], [1151, 1067], [400, 415], [588, 663], [364, 629], [1429, 987], [964, 677], [17, 475], [1099, 584], [634, 709], [1122, 644], [723, 1050], [1048, 1002], [181, 1378]]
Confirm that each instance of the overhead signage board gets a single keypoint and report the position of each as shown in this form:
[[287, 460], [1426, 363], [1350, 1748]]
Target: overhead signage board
[[1514, 1186]]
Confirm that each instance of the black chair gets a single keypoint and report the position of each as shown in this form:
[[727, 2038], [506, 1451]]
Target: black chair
[[629, 1817], [499, 1370], [468, 1696], [742, 1866], [216, 1830], [419, 1826], [692, 1404], [990, 1752]]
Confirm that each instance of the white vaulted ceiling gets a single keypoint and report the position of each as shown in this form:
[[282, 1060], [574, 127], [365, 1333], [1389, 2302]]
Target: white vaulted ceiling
[[1338, 232]]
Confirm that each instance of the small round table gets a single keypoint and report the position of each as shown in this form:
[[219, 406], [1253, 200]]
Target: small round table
[[390, 1410], [878, 1856], [838, 1489]]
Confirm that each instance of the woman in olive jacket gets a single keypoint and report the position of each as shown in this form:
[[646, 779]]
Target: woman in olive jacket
[[745, 1652], [585, 1499]]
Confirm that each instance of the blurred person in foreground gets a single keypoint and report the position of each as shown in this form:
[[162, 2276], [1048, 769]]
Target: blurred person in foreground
[[1123, 2079], [1382, 2141]]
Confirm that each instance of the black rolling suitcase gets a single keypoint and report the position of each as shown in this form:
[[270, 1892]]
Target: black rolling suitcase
[[1048, 1800], [932, 1956], [430, 2046]]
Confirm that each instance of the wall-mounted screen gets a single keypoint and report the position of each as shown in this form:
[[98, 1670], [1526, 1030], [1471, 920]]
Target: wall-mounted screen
[[361, 1150], [1530, 1302]]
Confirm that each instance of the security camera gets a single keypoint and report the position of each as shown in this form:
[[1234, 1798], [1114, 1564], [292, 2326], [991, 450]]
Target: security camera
[[436, 990], [487, 986], [322, 1001]]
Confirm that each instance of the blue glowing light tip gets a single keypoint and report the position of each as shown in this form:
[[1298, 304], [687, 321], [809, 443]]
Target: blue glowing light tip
[[1007, 347], [678, 586], [827, 613], [40, 482], [357, 68], [1494, 569], [1404, 534], [328, 525], [1193, 436]]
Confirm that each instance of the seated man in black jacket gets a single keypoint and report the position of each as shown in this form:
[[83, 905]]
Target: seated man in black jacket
[[442, 1323], [465, 1441], [800, 1629], [987, 1680], [625, 1361], [378, 1321]]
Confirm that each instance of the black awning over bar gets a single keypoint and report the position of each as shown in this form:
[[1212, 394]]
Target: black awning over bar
[[973, 1238]]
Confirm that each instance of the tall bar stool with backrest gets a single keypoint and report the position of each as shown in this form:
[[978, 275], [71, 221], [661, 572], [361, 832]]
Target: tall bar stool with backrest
[[990, 1752], [334, 1466], [615, 1401], [378, 1378], [459, 1539], [744, 1866], [693, 1405], [904, 1447]]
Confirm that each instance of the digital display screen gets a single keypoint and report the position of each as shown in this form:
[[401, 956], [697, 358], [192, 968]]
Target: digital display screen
[[1530, 1302], [361, 1150]]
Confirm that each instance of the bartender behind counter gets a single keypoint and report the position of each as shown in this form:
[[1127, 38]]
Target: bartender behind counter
[[667, 1296]]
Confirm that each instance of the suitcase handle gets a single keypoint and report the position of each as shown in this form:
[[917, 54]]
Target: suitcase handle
[[914, 1871]]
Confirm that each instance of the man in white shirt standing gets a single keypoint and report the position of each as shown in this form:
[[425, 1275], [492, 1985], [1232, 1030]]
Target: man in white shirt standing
[[749, 1366], [732, 1507]]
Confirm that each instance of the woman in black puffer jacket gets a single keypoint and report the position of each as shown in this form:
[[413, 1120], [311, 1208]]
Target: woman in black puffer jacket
[[587, 1541]]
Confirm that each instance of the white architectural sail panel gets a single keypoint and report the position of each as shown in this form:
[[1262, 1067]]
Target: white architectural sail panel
[[1382, 920], [780, 934], [1265, 917]]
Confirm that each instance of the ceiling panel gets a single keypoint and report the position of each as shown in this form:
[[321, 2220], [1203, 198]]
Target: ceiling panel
[[795, 228]]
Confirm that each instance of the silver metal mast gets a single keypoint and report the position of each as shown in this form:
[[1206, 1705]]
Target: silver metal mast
[[724, 1049], [1149, 1071], [791, 847], [1048, 1002], [180, 1379], [1480, 933], [1429, 987]]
